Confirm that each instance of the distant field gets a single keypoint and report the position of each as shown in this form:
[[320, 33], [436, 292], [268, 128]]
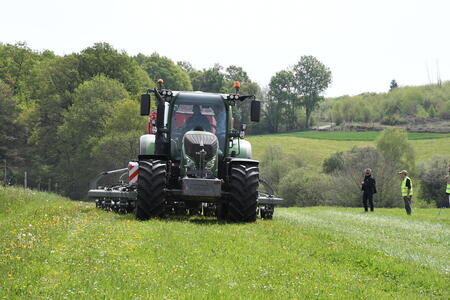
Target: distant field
[[358, 136], [315, 150], [55, 248]]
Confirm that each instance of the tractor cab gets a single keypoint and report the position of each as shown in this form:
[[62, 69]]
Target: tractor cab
[[199, 112]]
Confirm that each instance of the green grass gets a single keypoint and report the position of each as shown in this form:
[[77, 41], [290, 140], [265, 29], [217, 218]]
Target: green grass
[[51, 247], [358, 136]]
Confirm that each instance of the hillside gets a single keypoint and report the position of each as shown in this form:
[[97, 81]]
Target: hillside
[[51, 247], [315, 146], [423, 108]]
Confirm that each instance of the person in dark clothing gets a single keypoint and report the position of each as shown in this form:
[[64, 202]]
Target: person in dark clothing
[[197, 121], [368, 186]]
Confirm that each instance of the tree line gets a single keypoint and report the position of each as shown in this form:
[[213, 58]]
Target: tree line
[[401, 105], [65, 118]]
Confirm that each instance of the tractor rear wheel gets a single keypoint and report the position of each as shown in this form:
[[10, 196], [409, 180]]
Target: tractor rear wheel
[[244, 182], [150, 190]]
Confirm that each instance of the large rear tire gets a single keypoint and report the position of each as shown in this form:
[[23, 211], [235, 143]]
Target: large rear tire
[[243, 188], [150, 190]]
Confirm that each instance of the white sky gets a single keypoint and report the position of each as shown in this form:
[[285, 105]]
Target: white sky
[[365, 43]]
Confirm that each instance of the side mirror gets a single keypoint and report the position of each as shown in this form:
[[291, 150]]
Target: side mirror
[[255, 110], [242, 131], [145, 104]]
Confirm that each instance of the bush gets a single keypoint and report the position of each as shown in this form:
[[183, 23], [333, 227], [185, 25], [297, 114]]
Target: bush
[[393, 119], [275, 165], [396, 149], [433, 183], [302, 188], [421, 114], [444, 110], [333, 163], [344, 188]]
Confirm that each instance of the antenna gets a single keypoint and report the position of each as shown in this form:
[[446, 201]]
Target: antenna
[[438, 74], [428, 73]]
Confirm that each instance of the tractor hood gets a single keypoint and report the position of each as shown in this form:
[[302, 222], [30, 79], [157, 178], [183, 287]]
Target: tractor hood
[[199, 154], [195, 141]]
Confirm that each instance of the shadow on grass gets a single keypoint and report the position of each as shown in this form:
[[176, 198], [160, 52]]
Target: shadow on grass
[[197, 219], [207, 221], [200, 220]]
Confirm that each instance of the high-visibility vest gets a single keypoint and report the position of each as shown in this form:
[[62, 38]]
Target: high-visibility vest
[[405, 188], [448, 188]]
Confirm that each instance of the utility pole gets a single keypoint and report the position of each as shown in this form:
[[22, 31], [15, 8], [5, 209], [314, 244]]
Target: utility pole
[[49, 184], [4, 180], [25, 180]]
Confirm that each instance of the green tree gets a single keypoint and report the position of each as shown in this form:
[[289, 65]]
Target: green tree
[[235, 73], [50, 85], [10, 129], [55, 76], [432, 180], [196, 77], [161, 67], [337, 114], [84, 125], [393, 85], [213, 80], [396, 149], [119, 142], [185, 66], [444, 110], [16, 62], [311, 79], [282, 102], [432, 111], [216, 80], [421, 113], [102, 58]]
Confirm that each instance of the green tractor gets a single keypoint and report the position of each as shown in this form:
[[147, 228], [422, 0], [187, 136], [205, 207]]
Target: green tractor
[[192, 161]]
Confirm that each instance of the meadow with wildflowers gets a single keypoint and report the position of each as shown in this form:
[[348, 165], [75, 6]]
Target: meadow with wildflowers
[[51, 247]]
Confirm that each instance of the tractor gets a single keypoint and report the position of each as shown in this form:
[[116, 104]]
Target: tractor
[[192, 161]]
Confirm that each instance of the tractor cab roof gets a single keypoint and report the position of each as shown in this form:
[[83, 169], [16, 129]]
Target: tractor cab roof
[[198, 97]]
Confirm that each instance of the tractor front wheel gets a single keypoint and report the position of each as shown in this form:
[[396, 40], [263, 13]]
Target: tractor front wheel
[[243, 188], [150, 190]]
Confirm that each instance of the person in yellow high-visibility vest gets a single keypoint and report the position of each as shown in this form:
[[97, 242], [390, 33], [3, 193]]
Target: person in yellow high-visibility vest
[[447, 178], [407, 190]]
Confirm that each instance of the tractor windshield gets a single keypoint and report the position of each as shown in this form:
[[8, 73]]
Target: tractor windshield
[[197, 114]]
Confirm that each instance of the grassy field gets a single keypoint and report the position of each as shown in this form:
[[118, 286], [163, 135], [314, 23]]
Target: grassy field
[[54, 248], [314, 146], [358, 136]]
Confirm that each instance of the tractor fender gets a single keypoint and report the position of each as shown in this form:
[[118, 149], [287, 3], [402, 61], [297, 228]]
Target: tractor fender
[[230, 161], [242, 148], [147, 144]]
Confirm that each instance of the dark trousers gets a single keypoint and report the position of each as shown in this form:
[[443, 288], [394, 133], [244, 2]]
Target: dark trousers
[[407, 204], [368, 199]]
